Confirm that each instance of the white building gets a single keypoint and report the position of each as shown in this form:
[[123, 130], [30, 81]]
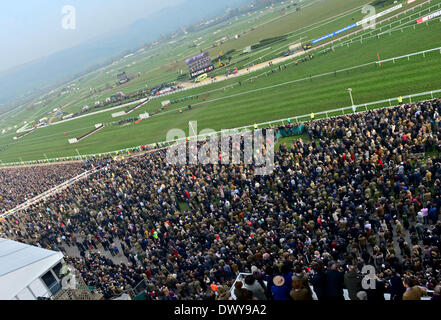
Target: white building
[[28, 272]]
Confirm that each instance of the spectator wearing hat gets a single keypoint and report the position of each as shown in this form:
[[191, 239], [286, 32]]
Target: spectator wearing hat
[[279, 289], [298, 291]]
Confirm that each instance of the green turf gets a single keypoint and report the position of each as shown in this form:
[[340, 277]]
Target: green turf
[[159, 64], [255, 102]]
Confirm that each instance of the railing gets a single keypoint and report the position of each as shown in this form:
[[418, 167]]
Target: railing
[[325, 44], [423, 53], [392, 29], [138, 289], [331, 42], [49, 192], [277, 85], [263, 66], [286, 58], [306, 117]]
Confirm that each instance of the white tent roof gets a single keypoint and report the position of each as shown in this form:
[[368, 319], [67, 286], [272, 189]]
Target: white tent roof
[[21, 264]]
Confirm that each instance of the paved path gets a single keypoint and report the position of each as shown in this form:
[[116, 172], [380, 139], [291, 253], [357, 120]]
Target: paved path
[[118, 259]]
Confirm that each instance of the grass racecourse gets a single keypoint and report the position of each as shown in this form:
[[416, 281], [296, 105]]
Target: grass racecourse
[[315, 85]]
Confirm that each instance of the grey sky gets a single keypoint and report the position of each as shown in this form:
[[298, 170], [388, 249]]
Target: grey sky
[[32, 29]]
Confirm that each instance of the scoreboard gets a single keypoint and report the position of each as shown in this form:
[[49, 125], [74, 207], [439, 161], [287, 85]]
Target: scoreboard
[[199, 64], [201, 71]]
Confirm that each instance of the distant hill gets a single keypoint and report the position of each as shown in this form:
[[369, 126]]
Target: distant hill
[[39, 76]]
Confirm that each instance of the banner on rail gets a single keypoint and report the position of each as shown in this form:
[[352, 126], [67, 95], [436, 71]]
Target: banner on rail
[[429, 17], [334, 33], [359, 23]]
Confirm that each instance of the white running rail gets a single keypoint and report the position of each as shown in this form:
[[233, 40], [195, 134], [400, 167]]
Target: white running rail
[[49, 192], [306, 117]]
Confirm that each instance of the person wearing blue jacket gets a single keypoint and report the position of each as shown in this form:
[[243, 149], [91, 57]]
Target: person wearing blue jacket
[[280, 289]]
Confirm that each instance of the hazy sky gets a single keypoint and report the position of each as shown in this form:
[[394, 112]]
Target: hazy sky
[[31, 29]]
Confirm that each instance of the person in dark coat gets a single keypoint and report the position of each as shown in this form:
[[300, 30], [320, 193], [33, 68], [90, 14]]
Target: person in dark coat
[[437, 293], [240, 292], [280, 289], [352, 281], [377, 294], [396, 288], [334, 283], [318, 280]]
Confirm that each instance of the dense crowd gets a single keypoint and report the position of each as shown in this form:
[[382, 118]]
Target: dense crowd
[[354, 194], [20, 184]]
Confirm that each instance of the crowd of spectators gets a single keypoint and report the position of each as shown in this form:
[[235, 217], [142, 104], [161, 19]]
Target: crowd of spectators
[[20, 184], [355, 193]]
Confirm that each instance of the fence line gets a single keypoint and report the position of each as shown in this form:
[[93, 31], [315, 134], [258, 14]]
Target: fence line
[[234, 84], [328, 43], [255, 77], [331, 42], [325, 44], [392, 29], [179, 90], [302, 79], [49, 192], [200, 84], [309, 117], [299, 118]]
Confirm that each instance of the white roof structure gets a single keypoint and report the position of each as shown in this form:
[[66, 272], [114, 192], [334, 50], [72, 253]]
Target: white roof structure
[[21, 266]]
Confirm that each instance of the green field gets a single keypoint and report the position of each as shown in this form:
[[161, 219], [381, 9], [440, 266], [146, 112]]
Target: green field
[[312, 86], [164, 62]]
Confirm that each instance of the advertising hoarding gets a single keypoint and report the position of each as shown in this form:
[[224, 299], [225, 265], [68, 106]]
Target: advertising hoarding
[[359, 23], [429, 17]]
